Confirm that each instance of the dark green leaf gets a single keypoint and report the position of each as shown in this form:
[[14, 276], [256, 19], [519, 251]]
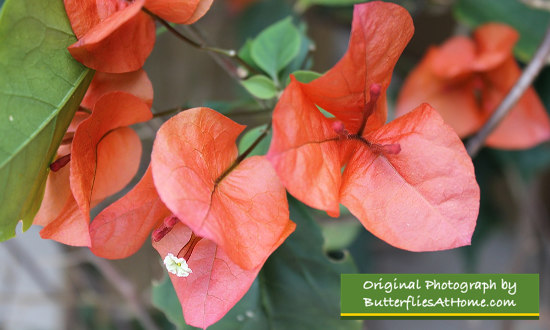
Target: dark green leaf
[[251, 136], [41, 86], [530, 23], [276, 46], [298, 287], [259, 15], [246, 315], [261, 87]]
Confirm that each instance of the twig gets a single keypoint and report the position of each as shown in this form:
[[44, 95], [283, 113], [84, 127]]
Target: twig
[[254, 144], [245, 153], [524, 81], [125, 288], [234, 55], [226, 65]]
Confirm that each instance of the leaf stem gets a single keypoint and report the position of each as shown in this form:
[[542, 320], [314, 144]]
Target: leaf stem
[[254, 144], [245, 153], [525, 80], [230, 53]]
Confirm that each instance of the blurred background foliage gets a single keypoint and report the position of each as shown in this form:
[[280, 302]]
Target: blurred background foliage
[[299, 286]]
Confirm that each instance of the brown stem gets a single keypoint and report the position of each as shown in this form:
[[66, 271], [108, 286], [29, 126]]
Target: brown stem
[[231, 53], [232, 70], [525, 80], [245, 153]]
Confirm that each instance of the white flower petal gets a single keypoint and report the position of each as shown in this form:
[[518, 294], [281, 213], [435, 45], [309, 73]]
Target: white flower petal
[[177, 266]]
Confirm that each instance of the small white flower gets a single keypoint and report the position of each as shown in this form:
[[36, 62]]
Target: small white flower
[[177, 266]]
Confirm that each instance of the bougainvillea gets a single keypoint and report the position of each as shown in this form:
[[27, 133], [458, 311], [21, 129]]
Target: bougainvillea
[[216, 210], [201, 198], [415, 165], [117, 35], [99, 155], [465, 80]]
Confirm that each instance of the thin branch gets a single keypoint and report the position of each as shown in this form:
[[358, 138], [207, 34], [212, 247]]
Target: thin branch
[[125, 288], [231, 53], [513, 96]]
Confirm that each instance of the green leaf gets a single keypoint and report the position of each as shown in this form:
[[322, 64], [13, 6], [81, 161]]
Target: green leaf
[[302, 61], [340, 234], [305, 76], [276, 46], [246, 315], [251, 136], [530, 23], [165, 298], [260, 86], [298, 287], [245, 53], [41, 86]]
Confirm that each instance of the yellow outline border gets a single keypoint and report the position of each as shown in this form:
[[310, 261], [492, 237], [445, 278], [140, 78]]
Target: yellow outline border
[[439, 314]]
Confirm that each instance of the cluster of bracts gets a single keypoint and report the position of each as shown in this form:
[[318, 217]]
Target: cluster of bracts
[[216, 217]]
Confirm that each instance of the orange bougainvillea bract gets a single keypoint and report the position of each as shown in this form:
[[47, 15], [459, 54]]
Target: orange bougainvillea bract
[[117, 35], [222, 215], [100, 152], [409, 182], [465, 80]]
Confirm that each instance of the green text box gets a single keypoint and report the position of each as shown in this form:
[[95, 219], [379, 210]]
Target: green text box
[[440, 296]]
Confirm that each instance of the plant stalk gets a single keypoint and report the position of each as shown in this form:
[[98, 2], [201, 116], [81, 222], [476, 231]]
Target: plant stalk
[[525, 80]]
